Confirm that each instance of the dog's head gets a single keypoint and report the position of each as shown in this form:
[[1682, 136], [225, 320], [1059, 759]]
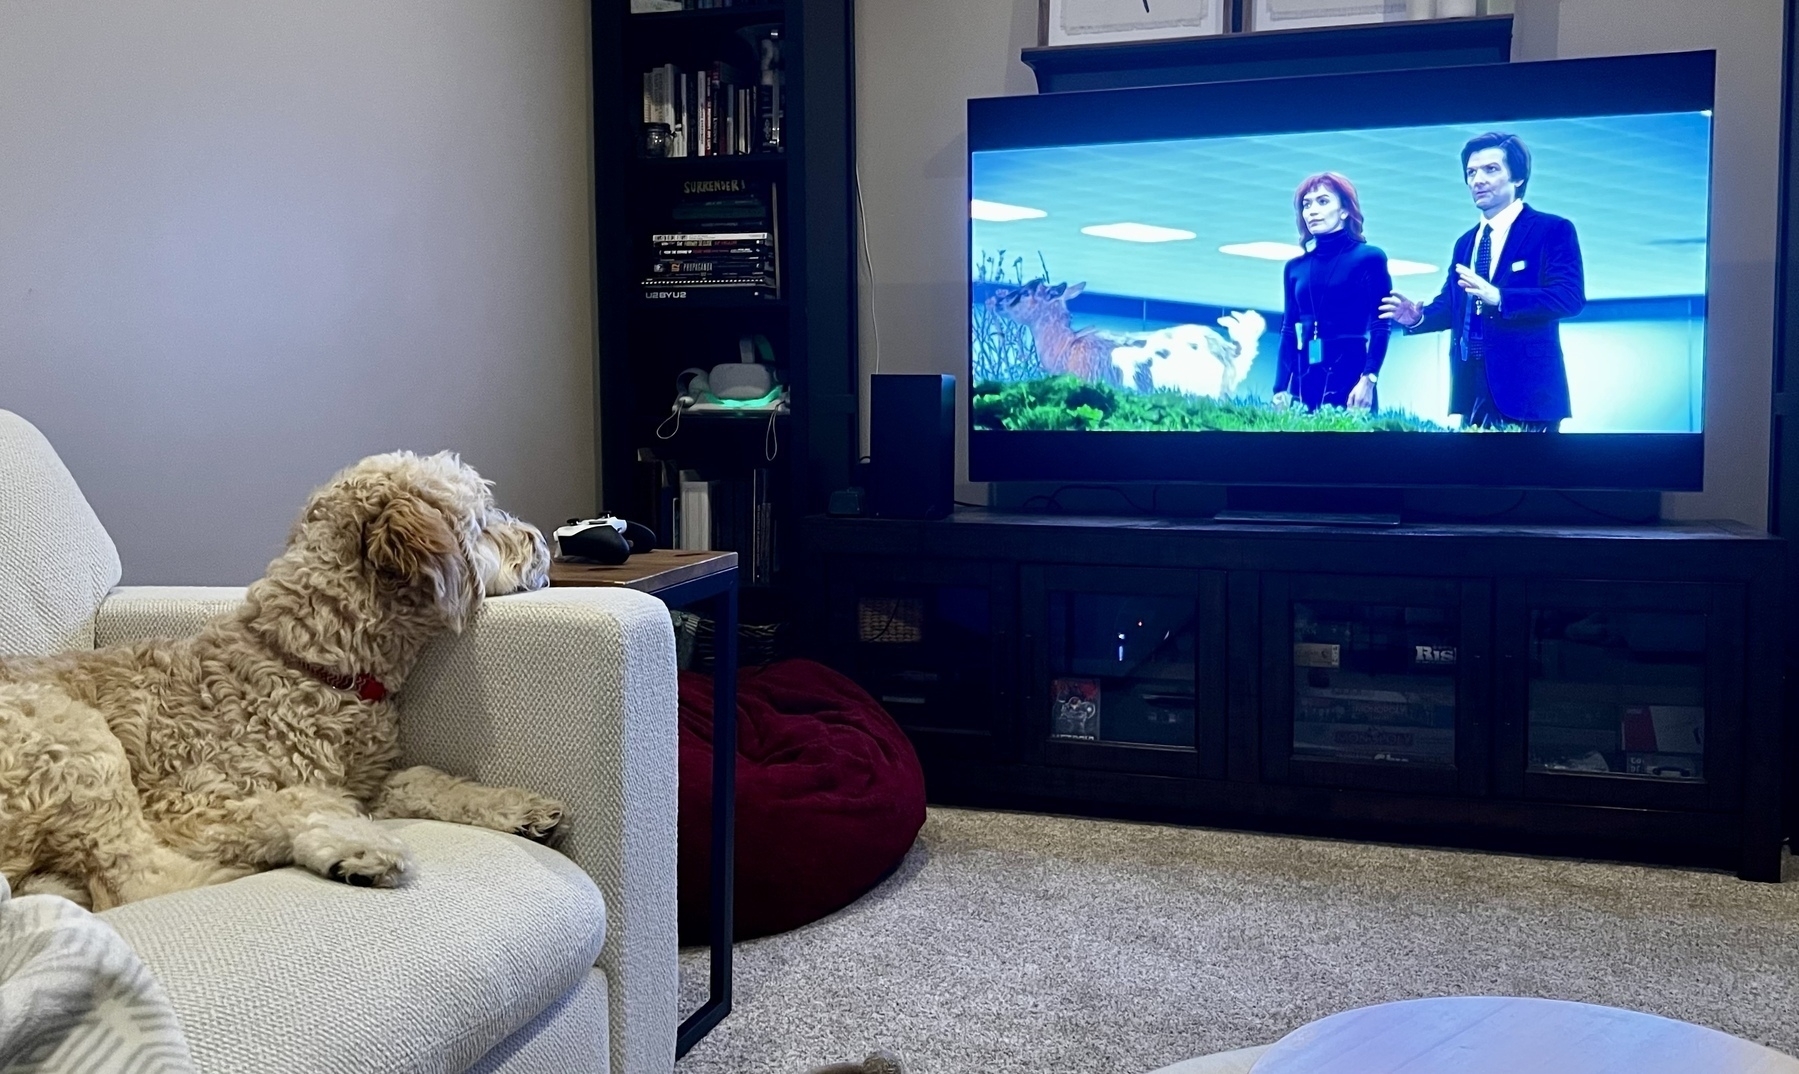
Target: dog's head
[[416, 540], [427, 533]]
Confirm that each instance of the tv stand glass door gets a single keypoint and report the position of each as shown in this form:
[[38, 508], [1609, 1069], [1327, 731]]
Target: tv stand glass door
[[1130, 672], [1626, 694], [1375, 682]]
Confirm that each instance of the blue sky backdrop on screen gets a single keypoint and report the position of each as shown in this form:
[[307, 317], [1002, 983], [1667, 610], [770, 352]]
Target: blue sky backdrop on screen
[[1636, 187]]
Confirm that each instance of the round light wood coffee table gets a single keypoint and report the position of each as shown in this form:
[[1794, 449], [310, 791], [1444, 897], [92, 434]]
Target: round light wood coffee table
[[1500, 1035]]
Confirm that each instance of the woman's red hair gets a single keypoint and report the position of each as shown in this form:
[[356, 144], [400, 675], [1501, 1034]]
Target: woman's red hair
[[1345, 191]]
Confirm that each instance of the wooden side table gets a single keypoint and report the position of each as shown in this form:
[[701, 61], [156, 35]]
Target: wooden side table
[[678, 579], [1507, 1035]]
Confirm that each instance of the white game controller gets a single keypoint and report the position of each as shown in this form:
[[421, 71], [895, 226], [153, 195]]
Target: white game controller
[[606, 539]]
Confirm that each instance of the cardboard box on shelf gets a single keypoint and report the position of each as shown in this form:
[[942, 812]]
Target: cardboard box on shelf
[[1664, 728]]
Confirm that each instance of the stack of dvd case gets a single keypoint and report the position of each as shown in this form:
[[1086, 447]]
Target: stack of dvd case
[[736, 261], [722, 239]]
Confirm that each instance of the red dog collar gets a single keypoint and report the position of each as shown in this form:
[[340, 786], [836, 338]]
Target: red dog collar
[[366, 687]]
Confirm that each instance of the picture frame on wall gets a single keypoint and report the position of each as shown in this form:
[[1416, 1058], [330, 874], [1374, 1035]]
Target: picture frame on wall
[[1089, 22], [1310, 14]]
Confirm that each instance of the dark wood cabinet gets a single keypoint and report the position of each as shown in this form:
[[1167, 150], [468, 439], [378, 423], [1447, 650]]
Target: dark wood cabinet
[[1375, 682], [1606, 691]]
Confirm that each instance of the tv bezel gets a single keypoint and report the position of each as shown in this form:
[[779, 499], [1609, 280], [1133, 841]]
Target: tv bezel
[[1610, 86]]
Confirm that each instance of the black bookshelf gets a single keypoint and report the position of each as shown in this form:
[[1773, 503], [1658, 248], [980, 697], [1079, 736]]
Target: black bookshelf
[[810, 322]]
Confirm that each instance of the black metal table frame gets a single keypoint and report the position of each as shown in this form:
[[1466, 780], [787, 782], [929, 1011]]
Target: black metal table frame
[[721, 590]]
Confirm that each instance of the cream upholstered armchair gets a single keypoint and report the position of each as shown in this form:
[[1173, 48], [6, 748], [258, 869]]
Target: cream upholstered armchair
[[499, 955]]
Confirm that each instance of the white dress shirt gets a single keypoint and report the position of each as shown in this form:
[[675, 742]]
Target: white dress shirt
[[1501, 225]]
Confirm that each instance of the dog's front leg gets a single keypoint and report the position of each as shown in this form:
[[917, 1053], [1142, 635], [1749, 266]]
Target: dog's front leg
[[322, 831], [428, 794]]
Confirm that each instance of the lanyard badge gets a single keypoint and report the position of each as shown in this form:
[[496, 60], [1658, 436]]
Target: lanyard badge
[[1305, 334]]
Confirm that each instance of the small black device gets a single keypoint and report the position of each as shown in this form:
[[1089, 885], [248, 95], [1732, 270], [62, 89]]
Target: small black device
[[846, 503], [607, 539], [912, 445]]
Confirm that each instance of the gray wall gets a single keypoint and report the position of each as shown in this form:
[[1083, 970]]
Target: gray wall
[[243, 245], [919, 60]]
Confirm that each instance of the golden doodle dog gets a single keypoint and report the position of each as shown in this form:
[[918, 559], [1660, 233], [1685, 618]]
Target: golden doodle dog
[[269, 738]]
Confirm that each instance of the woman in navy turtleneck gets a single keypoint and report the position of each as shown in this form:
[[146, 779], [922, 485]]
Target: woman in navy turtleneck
[[1333, 339]]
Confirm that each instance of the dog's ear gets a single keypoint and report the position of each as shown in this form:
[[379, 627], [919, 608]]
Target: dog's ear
[[412, 540]]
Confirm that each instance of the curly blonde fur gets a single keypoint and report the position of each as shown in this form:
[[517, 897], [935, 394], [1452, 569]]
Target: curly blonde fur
[[167, 764]]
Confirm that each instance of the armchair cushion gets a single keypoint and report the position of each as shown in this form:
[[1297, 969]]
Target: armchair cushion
[[572, 693], [136, 612], [58, 561], [290, 972]]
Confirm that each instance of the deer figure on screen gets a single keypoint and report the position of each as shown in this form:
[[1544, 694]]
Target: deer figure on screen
[[1188, 358], [1061, 348]]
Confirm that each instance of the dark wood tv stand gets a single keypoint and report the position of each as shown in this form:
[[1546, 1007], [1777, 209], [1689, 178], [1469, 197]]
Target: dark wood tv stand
[[1609, 691]]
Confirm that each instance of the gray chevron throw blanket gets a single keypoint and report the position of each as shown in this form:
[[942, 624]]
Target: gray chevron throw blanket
[[76, 999]]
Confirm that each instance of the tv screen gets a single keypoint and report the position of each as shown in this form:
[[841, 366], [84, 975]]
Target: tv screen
[[1485, 276]]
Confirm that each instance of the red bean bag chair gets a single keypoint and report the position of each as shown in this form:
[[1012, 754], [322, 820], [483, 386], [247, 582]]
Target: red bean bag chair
[[830, 796]]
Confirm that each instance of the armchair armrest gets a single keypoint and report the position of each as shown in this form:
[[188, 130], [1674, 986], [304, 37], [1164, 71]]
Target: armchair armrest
[[135, 612], [572, 693]]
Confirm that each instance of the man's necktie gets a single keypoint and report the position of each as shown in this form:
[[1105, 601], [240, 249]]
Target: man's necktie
[[1483, 260], [1483, 267]]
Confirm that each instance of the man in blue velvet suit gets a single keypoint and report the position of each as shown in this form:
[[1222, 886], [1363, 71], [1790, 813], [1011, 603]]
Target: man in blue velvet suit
[[1516, 275]]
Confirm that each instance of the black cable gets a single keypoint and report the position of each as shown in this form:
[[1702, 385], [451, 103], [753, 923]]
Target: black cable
[[965, 503], [893, 604], [1451, 516], [1607, 514], [1454, 516], [1053, 505]]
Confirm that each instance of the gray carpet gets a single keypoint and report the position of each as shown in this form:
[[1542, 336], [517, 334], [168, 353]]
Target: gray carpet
[[1013, 943]]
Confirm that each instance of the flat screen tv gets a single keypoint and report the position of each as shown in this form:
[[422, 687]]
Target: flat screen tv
[[1469, 276]]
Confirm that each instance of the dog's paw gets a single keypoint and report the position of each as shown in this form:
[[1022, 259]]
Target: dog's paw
[[540, 820], [510, 809], [369, 869], [353, 851], [54, 884]]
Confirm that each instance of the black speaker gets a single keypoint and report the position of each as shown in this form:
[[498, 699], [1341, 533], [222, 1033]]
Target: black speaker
[[912, 445]]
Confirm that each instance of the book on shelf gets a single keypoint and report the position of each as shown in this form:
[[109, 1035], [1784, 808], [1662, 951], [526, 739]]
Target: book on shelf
[[762, 529], [693, 515], [670, 261], [663, 480], [734, 514], [714, 112], [743, 522]]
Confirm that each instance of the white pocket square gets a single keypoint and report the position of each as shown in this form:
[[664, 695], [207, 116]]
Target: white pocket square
[[1517, 266]]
